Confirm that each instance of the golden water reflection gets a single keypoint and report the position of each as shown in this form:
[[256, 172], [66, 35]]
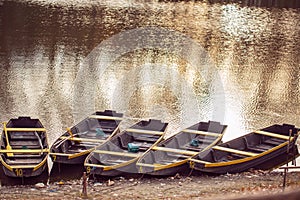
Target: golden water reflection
[[255, 50]]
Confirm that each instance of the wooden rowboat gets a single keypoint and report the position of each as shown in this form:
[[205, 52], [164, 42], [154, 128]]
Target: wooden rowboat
[[77, 142], [24, 148], [169, 156], [119, 155], [264, 149]]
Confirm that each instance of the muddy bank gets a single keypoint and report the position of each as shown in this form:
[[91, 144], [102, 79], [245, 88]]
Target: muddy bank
[[228, 186]]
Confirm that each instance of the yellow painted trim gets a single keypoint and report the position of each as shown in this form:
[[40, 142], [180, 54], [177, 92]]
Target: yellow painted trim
[[112, 167], [106, 117], [40, 164], [220, 164], [215, 142], [72, 156], [132, 155], [8, 147], [175, 164], [12, 167], [145, 131], [70, 132], [245, 153], [77, 139], [273, 135], [23, 166], [201, 132], [173, 150], [26, 129], [120, 165], [24, 151], [75, 155], [148, 165], [116, 131], [158, 166], [5, 164]]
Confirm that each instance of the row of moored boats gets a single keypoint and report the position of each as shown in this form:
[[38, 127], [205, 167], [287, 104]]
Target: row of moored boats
[[98, 144]]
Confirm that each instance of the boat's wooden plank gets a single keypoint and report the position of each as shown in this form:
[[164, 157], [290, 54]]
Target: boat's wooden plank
[[190, 148], [147, 138], [144, 131], [24, 161], [94, 165], [23, 136], [201, 132], [23, 150], [81, 139], [61, 154], [273, 135], [264, 147], [274, 141], [260, 150], [76, 151], [235, 156], [148, 165], [180, 157], [26, 129], [199, 161], [115, 162], [25, 143], [81, 146], [116, 153], [27, 156], [142, 145], [246, 153], [106, 117], [172, 150]]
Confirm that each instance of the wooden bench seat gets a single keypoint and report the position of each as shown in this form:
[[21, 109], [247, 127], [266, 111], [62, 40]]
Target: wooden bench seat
[[142, 131], [30, 161], [235, 151], [274, 141], [275, 135], [201, 132], [82, 139], [117, 153], [173, 150], [22, 136]]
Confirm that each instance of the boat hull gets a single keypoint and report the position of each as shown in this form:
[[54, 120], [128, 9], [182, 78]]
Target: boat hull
[[24, 148], [24, 172], [170, 156], [73, 146], [125, 170], [182, 169], [120, 154], [266, 162], [73, 159]]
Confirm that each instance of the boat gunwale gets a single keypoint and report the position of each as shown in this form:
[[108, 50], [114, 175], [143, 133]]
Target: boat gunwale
[[291, 141]]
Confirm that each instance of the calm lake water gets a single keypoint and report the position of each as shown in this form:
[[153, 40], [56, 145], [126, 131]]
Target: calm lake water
[[180, 62]]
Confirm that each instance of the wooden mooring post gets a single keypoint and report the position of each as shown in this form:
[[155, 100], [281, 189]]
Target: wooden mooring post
[[287, 167], [84, 185]]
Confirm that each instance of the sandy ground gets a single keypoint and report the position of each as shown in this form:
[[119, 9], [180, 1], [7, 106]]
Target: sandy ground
[[228, 186]]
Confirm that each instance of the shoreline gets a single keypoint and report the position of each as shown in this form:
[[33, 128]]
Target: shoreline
[[254, 184]]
